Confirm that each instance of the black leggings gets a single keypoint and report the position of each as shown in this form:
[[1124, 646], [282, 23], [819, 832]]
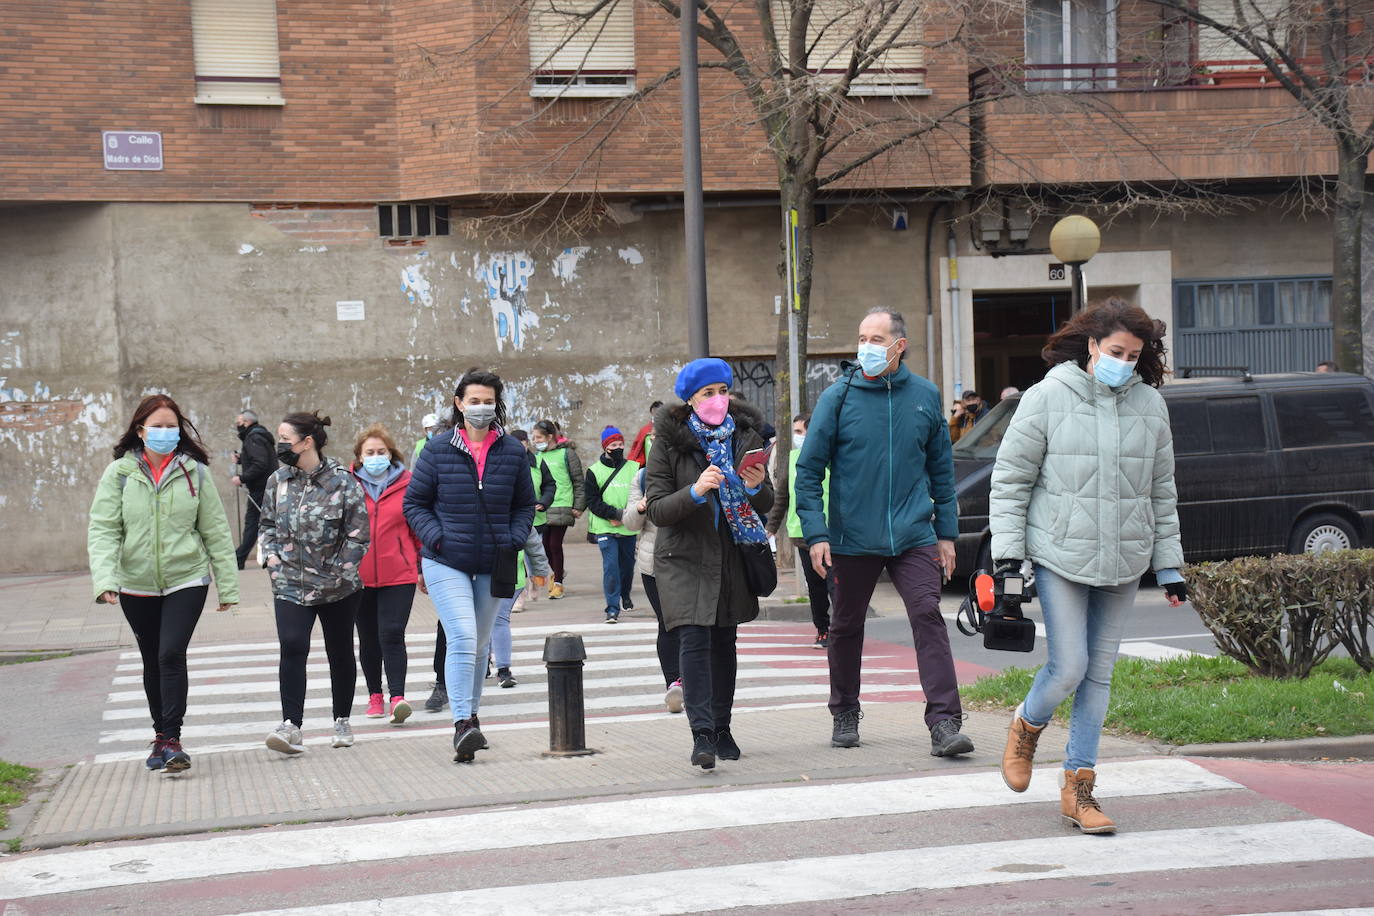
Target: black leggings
[[708, 675], [440, 653], [553, 546], [382, 617], [294, 625], [163, 626], [667, 639]]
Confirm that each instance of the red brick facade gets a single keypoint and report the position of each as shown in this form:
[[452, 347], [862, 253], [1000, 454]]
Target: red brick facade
[[382, 103]]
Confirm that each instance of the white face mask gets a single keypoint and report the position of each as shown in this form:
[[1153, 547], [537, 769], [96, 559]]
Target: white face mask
[[798, 439]]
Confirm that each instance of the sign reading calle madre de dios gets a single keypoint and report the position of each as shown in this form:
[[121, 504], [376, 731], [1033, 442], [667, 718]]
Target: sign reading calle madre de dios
[[132, 149]]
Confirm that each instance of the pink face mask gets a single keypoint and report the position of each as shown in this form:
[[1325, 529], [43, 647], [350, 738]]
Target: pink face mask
[[712, 410]]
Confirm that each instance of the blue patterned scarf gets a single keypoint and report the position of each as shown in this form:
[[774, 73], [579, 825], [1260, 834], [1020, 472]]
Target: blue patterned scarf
[[744, 522]]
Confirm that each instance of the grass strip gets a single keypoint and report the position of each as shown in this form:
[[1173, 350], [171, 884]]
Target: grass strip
[[1197, 700], [14, 783]]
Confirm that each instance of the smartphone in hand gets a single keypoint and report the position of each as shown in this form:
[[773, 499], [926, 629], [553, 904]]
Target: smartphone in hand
[[755, 456]]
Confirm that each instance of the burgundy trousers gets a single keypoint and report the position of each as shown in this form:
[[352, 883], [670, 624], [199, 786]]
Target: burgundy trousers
[[916, 575]]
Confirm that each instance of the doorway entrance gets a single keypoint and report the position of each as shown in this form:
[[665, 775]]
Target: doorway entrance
[[1009, 331]]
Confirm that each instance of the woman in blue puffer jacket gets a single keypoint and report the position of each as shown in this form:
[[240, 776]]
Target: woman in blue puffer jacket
[[470, 496], [1084, 489]]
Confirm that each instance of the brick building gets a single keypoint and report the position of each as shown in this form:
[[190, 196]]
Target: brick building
[[280, 205]]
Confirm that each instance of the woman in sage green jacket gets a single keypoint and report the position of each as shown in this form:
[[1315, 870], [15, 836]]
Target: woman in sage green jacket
[[1084, 489], [157, 529]]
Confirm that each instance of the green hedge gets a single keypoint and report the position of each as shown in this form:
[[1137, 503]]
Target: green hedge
[[1281, 615]]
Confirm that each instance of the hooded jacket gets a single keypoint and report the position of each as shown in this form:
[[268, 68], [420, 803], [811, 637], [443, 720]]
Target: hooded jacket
[[315, 524], [393, 554], [462, 521], [886, 444], [699, 570], [1084, 480], [148, 538]]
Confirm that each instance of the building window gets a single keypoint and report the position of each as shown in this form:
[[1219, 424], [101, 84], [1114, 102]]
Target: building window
[[1221, 53], [1060, 33], [235, 43], [900, 68], [403, 221], [1269, 324], [582, 48]]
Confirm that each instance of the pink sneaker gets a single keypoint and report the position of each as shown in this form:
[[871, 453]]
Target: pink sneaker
[[400, 710], [374, 706]]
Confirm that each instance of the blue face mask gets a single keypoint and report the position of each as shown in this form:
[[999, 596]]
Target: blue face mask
[[161, 439], [873, 359], [1111, 371], [376, 465]]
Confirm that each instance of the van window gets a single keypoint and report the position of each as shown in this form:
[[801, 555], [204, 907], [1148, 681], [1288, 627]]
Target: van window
[[1191, 428], [1237, 424], [1333, 417]]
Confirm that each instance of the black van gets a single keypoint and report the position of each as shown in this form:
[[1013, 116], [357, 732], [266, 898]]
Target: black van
[[1264, 464]]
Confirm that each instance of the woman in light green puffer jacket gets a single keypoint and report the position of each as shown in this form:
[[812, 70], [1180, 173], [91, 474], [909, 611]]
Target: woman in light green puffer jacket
[[157, 529], [1084, 489]]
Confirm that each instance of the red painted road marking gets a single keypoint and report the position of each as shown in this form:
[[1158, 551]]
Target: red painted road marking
[[1342, 792]]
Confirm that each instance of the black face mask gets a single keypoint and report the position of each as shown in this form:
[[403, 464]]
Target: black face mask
[[616, 454], [242, 431], [286, 456]]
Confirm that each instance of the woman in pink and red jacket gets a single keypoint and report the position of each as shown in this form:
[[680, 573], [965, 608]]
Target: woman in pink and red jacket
[[390, 572]]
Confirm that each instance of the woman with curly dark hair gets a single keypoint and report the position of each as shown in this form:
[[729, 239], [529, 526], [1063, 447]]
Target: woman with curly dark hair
[[1084, 489]]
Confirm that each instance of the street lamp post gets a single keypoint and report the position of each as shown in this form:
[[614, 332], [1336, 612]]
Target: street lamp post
[[1074, 240], [693, 204]]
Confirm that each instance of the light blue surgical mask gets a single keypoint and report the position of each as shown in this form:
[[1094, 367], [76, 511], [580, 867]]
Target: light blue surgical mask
[[376, 465], [873, 359], [797, 440], [161, 439], [1111, 371]]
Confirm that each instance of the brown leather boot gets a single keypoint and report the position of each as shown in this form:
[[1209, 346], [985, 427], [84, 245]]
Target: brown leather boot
[[1077, 804], [1020, 753]]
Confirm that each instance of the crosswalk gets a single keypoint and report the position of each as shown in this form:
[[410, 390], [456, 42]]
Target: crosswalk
[[1193, 840], [234, 696]]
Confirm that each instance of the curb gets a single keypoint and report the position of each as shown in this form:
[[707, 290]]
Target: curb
[[1296, 749], [792, 611]]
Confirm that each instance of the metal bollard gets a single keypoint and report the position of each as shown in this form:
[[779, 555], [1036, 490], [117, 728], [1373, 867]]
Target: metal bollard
[[563, 658]]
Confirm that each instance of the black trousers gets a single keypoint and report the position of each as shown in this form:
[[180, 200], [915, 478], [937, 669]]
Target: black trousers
[[250, 523], [440, 652], [162, 627], [820, 591], [382, 617], [295, 622], [668, 642], [707, 664]]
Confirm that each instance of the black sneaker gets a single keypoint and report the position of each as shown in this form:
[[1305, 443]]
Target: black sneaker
[[703, 749], [822, 640], [467, 741], [846, 732], [438, 699], [478, 725], [612, 617], [627, 605], [155, 761], [946, 740], [726, 748], [174, 759], [505, 677]]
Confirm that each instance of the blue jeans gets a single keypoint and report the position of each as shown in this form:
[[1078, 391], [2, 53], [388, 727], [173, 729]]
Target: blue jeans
[[500, 632], [467, 610], [1083, 627], [617, 569]]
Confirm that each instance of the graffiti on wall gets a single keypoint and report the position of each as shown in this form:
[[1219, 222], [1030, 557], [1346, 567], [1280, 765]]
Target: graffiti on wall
[[506, 276]]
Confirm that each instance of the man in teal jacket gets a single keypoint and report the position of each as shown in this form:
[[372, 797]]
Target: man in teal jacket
[[881, 432]]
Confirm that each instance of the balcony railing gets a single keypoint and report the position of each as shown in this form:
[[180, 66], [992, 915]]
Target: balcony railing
[[1133, 76]]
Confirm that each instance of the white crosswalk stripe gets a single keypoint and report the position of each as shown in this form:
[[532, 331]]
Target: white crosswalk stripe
[[234, 693], [300, 858]]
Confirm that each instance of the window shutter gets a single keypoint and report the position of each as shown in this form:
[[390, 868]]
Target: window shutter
[[237, 61], [831, 33], [563, 39], [1213, 45]]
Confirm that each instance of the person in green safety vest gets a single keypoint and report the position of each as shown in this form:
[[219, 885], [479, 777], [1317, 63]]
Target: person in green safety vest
[[608, 493], [785, 513], [559, 455], [431, 425]]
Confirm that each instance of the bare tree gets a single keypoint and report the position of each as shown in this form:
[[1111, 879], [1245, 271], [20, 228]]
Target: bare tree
[[1322, 53]]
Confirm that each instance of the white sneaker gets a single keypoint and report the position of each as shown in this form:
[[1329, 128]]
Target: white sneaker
[[286, 739], [343, 733], [673, 698]]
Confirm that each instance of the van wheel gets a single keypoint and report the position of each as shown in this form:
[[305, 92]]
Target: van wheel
[[1320, 533]]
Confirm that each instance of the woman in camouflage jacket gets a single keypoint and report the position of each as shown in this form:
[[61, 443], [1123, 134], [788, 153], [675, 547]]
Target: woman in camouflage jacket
[[314, 534]]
